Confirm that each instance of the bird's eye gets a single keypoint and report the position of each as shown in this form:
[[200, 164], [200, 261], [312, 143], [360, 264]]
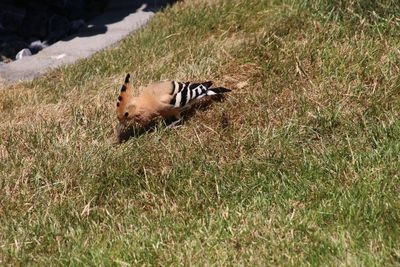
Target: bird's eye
[[126, 114]]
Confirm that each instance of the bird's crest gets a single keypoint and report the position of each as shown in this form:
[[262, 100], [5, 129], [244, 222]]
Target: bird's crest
[[124, 98]]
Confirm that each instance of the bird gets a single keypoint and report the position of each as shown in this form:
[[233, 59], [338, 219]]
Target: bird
[[166, 99]]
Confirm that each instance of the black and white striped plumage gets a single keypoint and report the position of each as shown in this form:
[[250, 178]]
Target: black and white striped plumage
[[185, 93], [166, 99]]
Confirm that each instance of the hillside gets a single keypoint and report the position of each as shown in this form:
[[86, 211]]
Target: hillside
[[299, 164]]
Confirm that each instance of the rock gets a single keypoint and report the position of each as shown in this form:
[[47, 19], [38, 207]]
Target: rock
[[10, 45], [23, 53], [37, 45], [59, 27]]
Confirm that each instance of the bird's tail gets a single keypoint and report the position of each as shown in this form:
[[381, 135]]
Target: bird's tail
[[217, 90]]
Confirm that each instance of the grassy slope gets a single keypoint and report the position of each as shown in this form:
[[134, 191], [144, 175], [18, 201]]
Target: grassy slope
[[299, 165]]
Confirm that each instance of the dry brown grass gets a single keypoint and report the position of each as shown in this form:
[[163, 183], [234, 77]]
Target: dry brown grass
[[298, 165]]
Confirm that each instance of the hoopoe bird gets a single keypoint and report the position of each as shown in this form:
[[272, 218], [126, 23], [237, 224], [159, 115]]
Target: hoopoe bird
[[163, 99]]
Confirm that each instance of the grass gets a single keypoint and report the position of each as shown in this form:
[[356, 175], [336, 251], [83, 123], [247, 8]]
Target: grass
[[300, 164]]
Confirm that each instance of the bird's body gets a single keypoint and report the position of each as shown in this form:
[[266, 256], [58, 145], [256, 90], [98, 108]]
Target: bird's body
[[166, 99]]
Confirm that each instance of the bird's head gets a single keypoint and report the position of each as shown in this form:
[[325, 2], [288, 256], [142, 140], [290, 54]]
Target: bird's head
[[127, 111]]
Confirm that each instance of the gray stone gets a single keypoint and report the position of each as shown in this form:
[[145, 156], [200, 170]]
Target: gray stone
[[10, 45], [37, 45], [23, 53]]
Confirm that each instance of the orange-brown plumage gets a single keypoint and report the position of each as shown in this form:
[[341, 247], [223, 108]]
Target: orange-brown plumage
[[165, 99]]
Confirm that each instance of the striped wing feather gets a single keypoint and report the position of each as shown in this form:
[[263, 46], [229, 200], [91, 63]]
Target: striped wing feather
[[164, 98], [185, 93]]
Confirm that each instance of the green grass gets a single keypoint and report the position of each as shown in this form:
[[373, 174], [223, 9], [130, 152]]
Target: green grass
[[300, 164]]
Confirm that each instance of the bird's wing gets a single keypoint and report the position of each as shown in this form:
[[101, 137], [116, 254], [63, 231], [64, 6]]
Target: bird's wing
[[185, 93]]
